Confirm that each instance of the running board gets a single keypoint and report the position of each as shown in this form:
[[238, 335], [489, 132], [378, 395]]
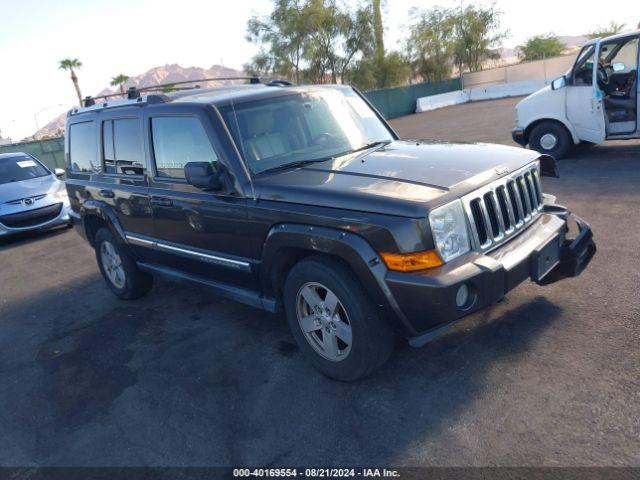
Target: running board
[[242, 295]]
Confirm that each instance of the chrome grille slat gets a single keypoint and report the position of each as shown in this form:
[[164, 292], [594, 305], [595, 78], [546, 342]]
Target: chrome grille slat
[[502, 193], [513, 192], [504, 208], [487, 220], [494, 205], [530, 191], [538, 187], [522, 191]]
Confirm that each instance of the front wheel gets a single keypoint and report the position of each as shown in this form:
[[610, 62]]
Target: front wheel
[[551, 138], [333, 320]]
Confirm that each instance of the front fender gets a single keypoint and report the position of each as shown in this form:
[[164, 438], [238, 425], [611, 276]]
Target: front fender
[[349, 247]]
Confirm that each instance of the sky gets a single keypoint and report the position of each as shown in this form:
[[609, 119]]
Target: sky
[[132, 36]]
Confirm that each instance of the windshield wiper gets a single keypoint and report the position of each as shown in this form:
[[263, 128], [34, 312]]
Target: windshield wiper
[[298, 164], [302, 163], [367, 146]]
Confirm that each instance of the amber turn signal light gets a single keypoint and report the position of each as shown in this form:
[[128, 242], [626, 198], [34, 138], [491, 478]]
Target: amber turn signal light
[[410, 262]]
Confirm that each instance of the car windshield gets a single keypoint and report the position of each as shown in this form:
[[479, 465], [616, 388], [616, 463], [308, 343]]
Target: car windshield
[[289, 130], [20, 167]]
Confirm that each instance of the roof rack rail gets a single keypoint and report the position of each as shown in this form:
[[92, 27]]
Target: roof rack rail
[[133, 93], [90, 103], [277, 82], [252, 80]]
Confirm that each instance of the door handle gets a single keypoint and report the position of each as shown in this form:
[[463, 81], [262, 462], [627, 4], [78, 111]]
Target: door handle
[[107, 193], [161, 201]]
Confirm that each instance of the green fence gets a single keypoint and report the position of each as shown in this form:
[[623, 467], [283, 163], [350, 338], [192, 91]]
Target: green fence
[[399, 101], [50, 152]]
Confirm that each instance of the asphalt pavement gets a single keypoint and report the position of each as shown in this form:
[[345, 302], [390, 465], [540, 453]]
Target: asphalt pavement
[[548, 377]]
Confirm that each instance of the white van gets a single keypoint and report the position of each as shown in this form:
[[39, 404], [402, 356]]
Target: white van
[[593, 102]]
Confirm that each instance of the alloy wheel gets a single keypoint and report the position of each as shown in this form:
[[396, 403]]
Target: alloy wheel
[[324, 321], [112, 264]]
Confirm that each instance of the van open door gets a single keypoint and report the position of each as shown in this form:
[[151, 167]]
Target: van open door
[[585, 102]]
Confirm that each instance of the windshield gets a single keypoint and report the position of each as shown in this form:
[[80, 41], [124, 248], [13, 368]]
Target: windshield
[[20, 167], [302, 127]]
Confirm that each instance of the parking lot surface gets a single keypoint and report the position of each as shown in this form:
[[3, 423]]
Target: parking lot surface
[[550, 376]]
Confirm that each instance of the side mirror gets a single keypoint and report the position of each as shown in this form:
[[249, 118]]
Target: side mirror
[[58, 172], [204, 175], [559, 83], [548, 166]]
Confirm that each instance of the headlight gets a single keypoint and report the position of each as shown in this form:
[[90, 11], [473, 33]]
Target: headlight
[[61, 194], [449, 228]]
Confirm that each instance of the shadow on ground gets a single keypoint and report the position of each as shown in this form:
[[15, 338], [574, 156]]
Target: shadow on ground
[[181, 378], [17, 240]]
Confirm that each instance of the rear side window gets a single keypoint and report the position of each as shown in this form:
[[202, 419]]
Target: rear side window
[[83, 152], [178, 141], [122, 146]]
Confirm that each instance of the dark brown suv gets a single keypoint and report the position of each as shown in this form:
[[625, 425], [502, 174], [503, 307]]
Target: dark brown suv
[[304, 200]]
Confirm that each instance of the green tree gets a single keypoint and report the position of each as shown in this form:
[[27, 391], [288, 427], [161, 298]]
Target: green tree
[[72, 64], [478, 34], [384, 69], [337, 36], [366, 74], [603, 31], [283, 34], [431, 44], [539, 47], [119, 81], [312, 40]]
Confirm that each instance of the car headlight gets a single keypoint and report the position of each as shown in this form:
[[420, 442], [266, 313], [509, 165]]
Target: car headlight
[[449, 229], [61, 194]]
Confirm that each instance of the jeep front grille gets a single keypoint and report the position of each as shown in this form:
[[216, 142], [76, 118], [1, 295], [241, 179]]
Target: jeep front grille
[[505, 207]]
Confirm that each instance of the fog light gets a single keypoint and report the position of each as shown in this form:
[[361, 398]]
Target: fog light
[[462, 296]]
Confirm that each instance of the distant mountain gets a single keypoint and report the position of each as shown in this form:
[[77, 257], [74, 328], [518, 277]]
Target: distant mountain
[[158, 75], [573, 42]]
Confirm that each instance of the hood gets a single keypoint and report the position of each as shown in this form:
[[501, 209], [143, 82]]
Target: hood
[[28, 188], [545, 103], [534, 95], [401, 178]]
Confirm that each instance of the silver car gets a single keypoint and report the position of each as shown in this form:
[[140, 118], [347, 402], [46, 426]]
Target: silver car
[[32, 197]]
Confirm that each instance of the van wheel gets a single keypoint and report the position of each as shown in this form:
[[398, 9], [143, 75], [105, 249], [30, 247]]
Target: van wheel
[[119, 269], [551, 138], [333, 320]]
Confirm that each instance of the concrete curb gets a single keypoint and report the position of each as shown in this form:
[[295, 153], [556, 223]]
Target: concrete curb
[[491, 92]]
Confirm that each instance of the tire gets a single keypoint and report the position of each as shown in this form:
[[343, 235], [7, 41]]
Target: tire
[[552, 139], [130, 282], [372, 340]]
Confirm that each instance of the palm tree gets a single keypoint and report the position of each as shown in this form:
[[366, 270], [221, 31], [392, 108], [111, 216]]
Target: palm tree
[[70, 64], [119, 81]]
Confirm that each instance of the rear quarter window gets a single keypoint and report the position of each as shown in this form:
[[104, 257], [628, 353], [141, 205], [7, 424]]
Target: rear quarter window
[[83, 148]]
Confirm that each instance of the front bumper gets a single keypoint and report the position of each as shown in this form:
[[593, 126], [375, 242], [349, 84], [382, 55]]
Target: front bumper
[[62, 218], [518, 136], [542, 253]]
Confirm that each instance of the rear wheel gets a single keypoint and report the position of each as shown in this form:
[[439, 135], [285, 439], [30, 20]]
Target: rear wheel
[[551, 138], [118, 267], [333, 320]]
